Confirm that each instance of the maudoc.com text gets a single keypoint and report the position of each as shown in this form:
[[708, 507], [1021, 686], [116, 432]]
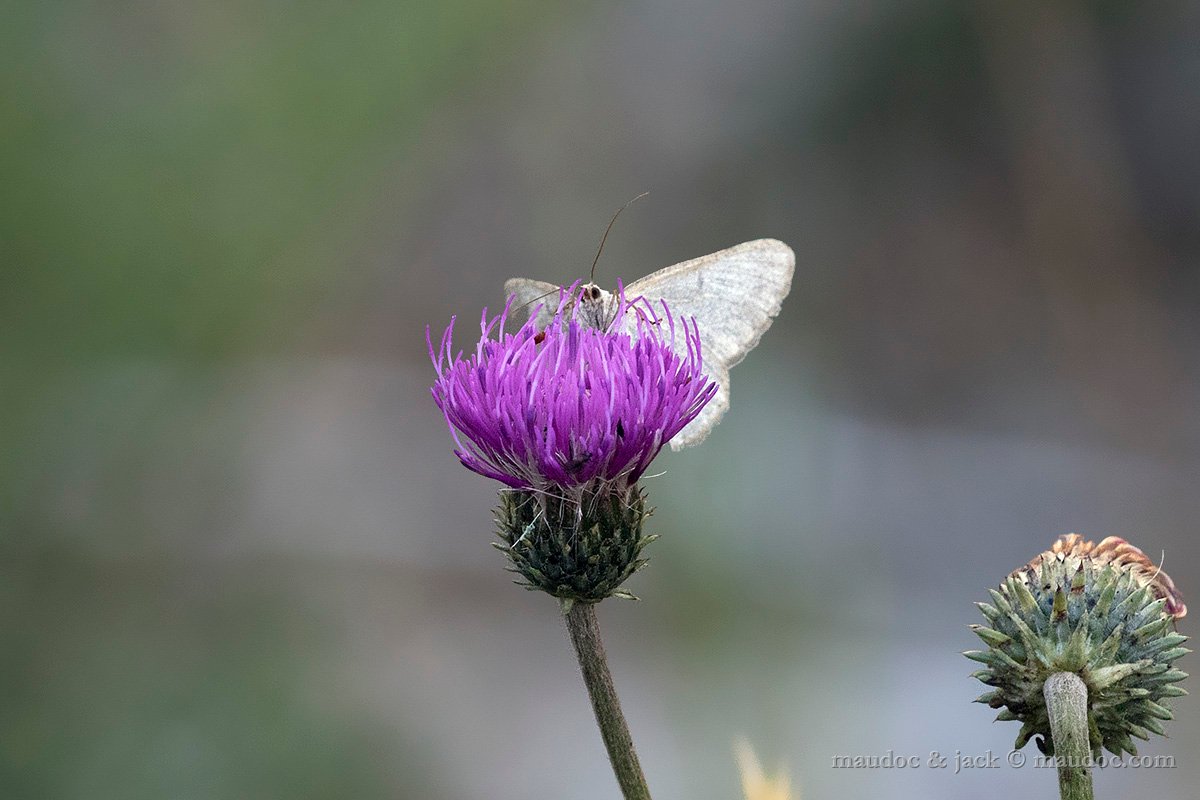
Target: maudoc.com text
[[959, 761]]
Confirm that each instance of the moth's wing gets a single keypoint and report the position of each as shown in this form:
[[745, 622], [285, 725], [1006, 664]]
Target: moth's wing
[[697, 430], [734, 295], [534, 296]]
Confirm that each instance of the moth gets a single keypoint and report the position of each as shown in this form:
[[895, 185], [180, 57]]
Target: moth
[[733, 294]]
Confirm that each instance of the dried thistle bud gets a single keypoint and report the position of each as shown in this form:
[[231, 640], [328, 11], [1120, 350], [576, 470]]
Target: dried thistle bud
[[1115, 550], [1102, 611]]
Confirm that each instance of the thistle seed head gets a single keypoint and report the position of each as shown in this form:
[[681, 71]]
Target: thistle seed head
[[1102, 611]]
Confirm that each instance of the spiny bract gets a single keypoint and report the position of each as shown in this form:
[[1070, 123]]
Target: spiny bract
[[1102, 611], [574, 551]]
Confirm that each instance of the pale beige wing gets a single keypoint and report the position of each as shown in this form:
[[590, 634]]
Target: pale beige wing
[[533, 296], [734, 295]]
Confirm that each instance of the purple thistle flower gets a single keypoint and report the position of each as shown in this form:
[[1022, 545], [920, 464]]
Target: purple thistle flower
[[571, 409]]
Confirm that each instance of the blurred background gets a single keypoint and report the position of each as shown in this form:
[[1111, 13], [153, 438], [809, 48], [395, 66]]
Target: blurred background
[[237, 558]]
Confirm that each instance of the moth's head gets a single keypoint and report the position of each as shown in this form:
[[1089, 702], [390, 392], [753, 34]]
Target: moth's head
[[595, 307]]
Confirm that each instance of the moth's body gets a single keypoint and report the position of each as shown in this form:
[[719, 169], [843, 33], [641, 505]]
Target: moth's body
[[733, 294], [595, 307]]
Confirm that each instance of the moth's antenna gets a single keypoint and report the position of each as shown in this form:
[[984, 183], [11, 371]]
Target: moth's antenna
[[541, 296], [604, 238], [528, 303]]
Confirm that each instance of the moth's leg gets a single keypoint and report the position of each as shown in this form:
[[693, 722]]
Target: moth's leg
[[644, 316]]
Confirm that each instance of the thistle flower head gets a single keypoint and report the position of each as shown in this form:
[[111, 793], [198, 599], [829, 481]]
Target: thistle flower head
[[569, 417], [1103, 611], [570, 407]]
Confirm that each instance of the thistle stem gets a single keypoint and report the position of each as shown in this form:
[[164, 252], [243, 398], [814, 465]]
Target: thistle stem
[[585, 635], [1066, 700]]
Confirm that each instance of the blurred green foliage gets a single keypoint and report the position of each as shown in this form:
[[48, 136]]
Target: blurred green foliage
[[165, 163], [177, 182], [179, 179], [145, 680]]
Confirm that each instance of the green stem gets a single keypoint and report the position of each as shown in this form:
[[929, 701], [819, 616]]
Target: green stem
[[585, 635], [1066, 700]]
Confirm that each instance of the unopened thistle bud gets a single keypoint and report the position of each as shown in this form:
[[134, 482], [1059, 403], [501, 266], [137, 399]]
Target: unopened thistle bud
[[569, 418], [1103, 611]]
